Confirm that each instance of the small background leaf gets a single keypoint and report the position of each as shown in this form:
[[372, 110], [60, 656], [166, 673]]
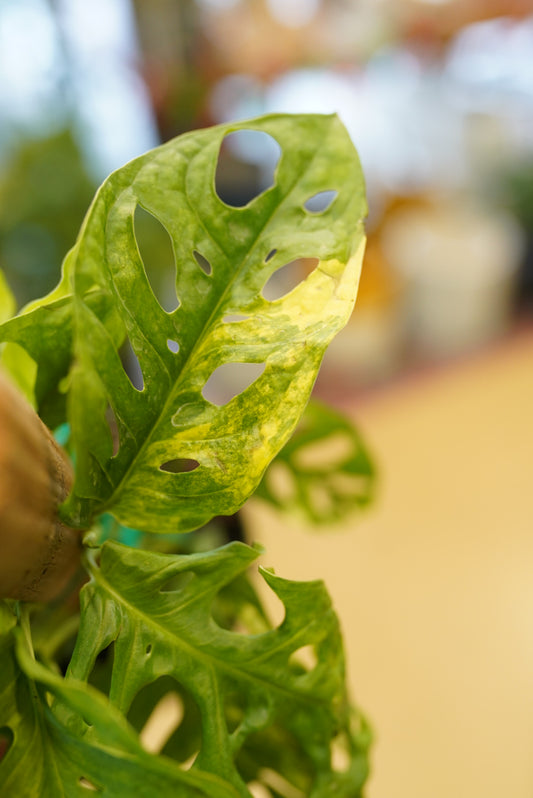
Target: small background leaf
[[324, 472]]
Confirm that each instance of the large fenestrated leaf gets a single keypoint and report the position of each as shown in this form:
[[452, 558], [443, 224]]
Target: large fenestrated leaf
[[50, 759], [252, 696], [224, 257], [260, 715]]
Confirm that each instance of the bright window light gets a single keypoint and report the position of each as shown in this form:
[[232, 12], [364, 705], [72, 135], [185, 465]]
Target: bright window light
[[29, 60], [293, 13]]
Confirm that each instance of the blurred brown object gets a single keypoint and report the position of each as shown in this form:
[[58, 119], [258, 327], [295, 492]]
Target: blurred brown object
[[38, 554], [380, 285], [437, 22]]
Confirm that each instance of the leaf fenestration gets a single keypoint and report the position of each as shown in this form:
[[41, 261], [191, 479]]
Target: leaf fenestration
[[53, 759], [247, 709], [105, 297], [247, 687]]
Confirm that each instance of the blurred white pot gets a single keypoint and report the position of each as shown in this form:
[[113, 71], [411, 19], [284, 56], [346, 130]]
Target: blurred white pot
[[460, 266]]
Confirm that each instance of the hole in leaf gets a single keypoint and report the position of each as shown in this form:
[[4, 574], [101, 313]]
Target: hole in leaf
[[157, 255], [146, 699], [321, 500], [180, 465], [356, 485], [202, 262], [230, 380], [88, 785], [185, 743], [131, 364], [6, 740], [340, 754], [324, 454], [285, 279], [177, 582], [263, 748], [148, 649], [258, 790], [173, 345], [237, 608], [188, 763], [168, 720], [163, 721], [246, 166], [281, 482], [270, 255], [111, 419], [231, 318], [100, 676], [304, 659], [320, 202], [279, 784]]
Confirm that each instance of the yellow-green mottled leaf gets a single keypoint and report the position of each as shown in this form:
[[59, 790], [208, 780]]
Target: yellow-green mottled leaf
[[163, 451]]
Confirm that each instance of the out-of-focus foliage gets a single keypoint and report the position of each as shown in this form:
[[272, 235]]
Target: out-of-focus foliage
[[44, 194], [324, 473]]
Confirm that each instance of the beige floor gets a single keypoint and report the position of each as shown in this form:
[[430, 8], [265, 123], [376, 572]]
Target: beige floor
[[434, 585]]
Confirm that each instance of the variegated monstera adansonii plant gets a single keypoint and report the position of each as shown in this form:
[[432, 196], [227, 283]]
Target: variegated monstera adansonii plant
[[161, 455]]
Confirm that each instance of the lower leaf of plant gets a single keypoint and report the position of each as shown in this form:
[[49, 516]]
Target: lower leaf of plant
[[246, 704]]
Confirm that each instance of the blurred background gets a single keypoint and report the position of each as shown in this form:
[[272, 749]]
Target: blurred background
[[433, 584]]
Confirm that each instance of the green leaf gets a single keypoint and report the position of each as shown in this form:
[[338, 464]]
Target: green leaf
[[47, 758], [171, 423], [39, 341], [37, 345], [249, 691], [324, 472]]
